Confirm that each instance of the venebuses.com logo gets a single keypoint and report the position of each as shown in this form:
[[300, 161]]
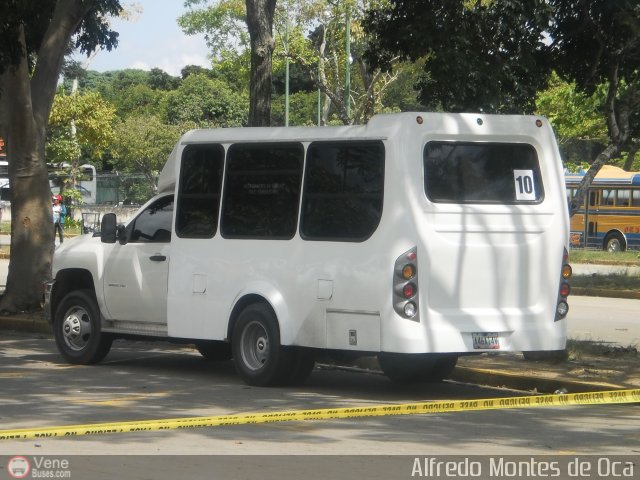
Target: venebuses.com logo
[[18, 467], [38, 467]]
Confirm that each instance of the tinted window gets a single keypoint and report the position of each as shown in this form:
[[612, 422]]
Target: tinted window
[[5, 193], [262, 190], [635, 198], [344, 185], [481, 173], [199, 192], [153, 225]]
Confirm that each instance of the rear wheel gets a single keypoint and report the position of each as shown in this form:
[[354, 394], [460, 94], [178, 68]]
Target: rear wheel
[[614, 242], [415, 368], [76, 328], [258, 356]]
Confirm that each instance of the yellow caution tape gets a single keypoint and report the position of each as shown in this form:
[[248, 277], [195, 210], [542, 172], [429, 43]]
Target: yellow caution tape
[[594, 398]]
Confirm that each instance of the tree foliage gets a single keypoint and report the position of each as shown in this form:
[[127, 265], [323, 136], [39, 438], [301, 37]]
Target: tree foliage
[[222, 23], [311, 34], [206, 102], [597, 42], [143, 146], [87, 119], [577, 119], [495, 55], [479, 56]]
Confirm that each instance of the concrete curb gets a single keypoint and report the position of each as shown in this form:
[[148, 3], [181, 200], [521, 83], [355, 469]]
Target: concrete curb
[[497, 378], [25, 322]]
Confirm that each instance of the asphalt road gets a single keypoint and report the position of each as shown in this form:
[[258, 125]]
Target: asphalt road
[[138, 382], [606, 320]]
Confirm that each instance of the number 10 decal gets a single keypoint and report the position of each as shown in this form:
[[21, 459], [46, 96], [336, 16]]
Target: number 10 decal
[[525, 187]]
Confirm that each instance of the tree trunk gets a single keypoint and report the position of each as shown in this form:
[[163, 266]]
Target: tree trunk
[[617, 112], [260, 24], [31, 217], [605, 156], [26, 98], [631, 156]]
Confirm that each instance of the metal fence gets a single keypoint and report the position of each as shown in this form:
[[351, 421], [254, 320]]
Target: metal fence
[[123, 189]]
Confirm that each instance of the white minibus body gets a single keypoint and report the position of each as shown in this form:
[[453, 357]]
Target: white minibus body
[[417, 237]]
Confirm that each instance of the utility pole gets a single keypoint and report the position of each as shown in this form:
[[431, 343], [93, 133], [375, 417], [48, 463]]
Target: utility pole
[[347, 81], [286, 82]]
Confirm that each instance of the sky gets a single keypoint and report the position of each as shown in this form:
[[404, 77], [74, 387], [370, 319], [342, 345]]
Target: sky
[[152, 40]]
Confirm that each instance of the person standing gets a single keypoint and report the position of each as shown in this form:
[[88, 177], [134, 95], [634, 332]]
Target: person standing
[[57, 217]]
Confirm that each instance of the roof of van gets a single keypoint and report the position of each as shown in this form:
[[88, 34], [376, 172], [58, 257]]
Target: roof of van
[[379, 127]]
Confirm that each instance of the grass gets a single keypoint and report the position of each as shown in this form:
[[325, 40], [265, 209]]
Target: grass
[[579, 348], [612, 281], [628, 258]]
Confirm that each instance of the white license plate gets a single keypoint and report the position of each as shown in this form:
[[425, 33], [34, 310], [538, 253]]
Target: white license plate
[[486, 341]]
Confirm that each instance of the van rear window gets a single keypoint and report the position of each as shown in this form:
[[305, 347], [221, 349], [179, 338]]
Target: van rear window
[[466, 172]]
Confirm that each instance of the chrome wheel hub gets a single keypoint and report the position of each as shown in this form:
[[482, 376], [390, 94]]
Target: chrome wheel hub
[[76, 328], [254, 346]]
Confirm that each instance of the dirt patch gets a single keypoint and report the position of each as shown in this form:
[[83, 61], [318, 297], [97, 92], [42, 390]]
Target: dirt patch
[[585, 362]]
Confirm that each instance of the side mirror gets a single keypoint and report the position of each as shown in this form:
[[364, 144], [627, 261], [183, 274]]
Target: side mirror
[[108, 228]]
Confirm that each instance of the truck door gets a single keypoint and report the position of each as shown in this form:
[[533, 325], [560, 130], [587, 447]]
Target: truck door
[[136, 273]]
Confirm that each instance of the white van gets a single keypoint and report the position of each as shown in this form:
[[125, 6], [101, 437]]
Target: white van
[[417, 237]]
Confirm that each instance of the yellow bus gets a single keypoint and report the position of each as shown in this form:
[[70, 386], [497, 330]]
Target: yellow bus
[[609, 218]]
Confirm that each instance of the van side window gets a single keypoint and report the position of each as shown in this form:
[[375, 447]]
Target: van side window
[[465, 172], [343, 192], [262, 190], [153, 225], [199, 191]]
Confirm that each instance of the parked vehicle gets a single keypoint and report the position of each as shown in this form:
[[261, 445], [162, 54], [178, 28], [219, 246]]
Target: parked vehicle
[[417, 237], [609, 219]]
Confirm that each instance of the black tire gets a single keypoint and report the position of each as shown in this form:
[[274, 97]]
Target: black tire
[[259, 358], [77, 329], [614, 242], [443, 368], [417, 368], [214, 351]]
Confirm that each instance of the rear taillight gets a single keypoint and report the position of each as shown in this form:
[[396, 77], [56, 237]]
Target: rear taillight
[[562, 307], [405, 285]]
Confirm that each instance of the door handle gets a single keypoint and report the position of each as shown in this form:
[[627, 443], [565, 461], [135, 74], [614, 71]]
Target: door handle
[[157, 258]]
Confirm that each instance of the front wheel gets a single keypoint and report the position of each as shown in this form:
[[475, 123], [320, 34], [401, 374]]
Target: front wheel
[[76, 328], [258, 356]]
